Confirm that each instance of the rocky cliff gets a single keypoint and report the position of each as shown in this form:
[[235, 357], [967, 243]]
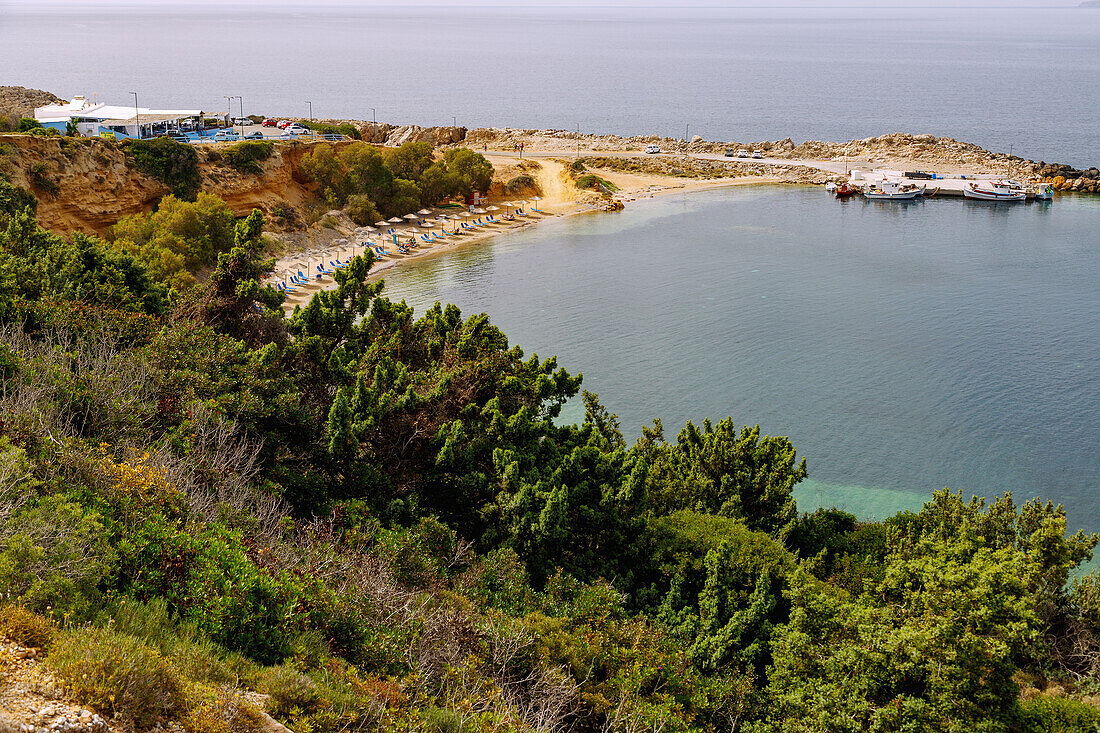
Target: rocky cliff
[[87, 185], [16, 102]]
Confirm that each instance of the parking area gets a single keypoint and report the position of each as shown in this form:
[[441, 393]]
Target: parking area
[[290, 130]]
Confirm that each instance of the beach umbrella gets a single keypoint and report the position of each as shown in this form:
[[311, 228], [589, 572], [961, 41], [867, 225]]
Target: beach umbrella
[[492, 208], [381, 223], [424, 212], [479, 211], [395, 220], [410, 216], [536, 199]]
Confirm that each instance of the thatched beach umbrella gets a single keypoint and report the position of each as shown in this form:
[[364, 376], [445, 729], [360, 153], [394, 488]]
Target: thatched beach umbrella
[[381, 223], [536, 199], [410, 217], [424, 212], [395, 220]]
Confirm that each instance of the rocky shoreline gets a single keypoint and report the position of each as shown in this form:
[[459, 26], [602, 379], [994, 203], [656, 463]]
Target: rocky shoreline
[[919, 149]]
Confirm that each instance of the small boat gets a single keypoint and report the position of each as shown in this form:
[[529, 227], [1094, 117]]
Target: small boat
[[994, 191], [1044, 192], [893, 191], [929, 192], [845, 190]]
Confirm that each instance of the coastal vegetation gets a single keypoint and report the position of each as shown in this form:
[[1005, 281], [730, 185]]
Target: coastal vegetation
[[374, 518], [246, 156], [395, 181], [174, 164]]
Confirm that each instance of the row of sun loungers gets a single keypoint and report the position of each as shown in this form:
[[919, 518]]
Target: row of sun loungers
[[292, 283]]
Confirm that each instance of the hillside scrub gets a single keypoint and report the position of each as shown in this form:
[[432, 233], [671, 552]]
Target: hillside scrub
[[178, 238], [246, 156], [395, 181], [172, 163], [375, 518]]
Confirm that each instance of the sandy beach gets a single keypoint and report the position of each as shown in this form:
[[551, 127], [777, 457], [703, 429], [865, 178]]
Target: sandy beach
[[559, 199]]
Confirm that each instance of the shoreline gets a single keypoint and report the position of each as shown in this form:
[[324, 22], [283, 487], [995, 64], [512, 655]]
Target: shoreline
[[553, 210]]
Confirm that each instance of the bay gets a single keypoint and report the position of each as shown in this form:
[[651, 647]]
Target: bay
[[904, 348]]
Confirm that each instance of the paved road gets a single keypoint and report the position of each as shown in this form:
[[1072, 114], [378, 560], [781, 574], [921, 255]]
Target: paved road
[[831, 166]]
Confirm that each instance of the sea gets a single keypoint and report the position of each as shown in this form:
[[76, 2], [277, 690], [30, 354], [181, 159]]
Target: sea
[[1022, 80], [903, 348]]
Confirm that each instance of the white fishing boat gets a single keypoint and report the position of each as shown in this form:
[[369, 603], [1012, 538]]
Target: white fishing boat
[[994, 191], [893, 191]]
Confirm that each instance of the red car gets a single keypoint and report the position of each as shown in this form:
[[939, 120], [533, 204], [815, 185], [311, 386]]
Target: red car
[[268, 122], [283, 124]]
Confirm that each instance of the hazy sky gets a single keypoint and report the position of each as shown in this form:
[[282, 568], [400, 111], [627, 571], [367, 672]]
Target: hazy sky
[[301, 5]]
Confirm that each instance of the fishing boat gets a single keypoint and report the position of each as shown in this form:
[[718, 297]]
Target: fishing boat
[[844, 190], [994, 191], [1044, 192], [893, 191]]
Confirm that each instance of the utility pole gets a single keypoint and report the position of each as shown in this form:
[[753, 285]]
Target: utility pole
[[373, 117], [686, 128], [578, 140], [137, 119], [310, 110], [454, 121]]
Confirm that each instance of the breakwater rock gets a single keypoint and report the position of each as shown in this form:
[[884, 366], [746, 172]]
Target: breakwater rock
[[1068, 178]]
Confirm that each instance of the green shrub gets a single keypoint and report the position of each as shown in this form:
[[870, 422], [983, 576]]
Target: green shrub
[[578, 166], [246, 156], [118, 674], [26, 627], [26, 124], [362, 210], [587, 181], [342, 129], [41, 180], [291, 691], [172, 163], [519, 183], [13, 199], [1047, 714]]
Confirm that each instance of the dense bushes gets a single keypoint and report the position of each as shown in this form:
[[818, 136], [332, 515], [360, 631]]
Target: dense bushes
[[246, 156], [178, 238], [375, 518], [325, 128], [397, 181], [118, 674], [172, 163]]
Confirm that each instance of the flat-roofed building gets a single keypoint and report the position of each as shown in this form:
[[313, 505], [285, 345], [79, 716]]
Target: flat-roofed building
[[93, 119]]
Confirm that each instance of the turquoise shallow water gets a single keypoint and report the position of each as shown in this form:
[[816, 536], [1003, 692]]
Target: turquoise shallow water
[[902, 348]]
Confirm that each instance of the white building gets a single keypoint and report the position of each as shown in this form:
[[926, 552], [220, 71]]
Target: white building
[[93, 119]]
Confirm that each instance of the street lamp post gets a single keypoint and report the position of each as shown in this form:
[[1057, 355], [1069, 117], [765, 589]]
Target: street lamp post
[[373, 117], [454, 121], [686, 128], [310, 110], [137, 118]]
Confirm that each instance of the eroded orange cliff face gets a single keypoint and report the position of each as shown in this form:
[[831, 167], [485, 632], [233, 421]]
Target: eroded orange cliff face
[[86, 185]]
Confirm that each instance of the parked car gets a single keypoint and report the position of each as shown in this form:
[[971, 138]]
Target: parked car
[[223, 135], [297, 129], [242, 121], [757, 154], [254, 135], [283, 124], [653, 148], [742, 153], [728, 153], [269, 122]]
